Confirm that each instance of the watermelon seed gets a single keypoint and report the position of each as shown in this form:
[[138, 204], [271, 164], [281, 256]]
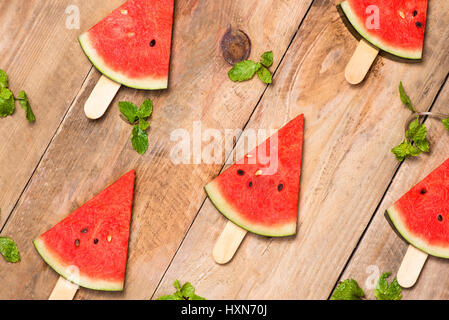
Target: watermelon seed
[[152, 43], [415, 13], [423, 191], [124, 12], [280, 187], [418, 24], [84, 230], [240, 172], [440, 217], [95, 241], [109, 238], [258, 173], [77, 242], [402, 14], [250, 184]]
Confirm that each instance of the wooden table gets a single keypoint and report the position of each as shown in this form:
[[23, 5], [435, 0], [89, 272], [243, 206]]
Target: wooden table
[[349, 176]]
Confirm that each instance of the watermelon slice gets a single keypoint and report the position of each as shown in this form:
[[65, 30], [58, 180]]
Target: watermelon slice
[[93, 239], [400, 28], [421, 215], [261, 192], [132, 45]]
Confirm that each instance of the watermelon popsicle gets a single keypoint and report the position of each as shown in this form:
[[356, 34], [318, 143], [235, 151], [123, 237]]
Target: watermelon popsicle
[[130, 47], [420, 218], [260, 193], [395, 27], [89, 248]]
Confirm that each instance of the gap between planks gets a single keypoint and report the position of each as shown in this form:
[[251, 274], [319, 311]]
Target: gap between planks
[[446, 81], [295, 34], [71, 105]]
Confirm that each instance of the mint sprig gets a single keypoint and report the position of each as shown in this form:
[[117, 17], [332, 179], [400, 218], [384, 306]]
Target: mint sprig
[[138, 117], [247, 69], [405, 98], [386, 291], [350, 290], [186, 292], [9, 250], [7, 100]]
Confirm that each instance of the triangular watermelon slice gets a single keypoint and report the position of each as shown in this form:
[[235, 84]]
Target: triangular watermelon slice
[[395, 26], [261, 192], [132, 45], [93, 240], [421, 215]]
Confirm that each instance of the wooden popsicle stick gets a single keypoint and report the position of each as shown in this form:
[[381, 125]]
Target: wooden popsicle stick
[[64, 290], [411, 267], [228, 243], [101, 97], [360, 63]]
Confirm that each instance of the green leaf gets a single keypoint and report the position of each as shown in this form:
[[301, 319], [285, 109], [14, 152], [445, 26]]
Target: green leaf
[[405, 98], [385, 291], [24, 102], [8, 250], [145, 110], [267, 59], [446, 123], [418, 134], [348, 290], [405, 150], [186, 292], [3, 79], [244, 71], [143, 124], [139, 140], [129, 110], [7, 106], [265, 75]]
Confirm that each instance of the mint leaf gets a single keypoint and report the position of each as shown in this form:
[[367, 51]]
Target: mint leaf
[[446, 123], [385, 291], [265, 75], [418, 134], [143, 124], [24, 102], [244, 71], [405, 98], [139, 140], [186, 292], [8, 249], [348, 290], [129, 110], [267, 59], [6, 102], [3, 79], [145, 110], [405, 150]]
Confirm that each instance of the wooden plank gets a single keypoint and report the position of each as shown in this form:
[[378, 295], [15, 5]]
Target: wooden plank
[[85, 156], [381, 249], [39, 55], [346, 168]]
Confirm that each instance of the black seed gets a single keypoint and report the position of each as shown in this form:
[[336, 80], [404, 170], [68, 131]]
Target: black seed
[[84, 230], [250, 184], [418, 24], [95, 241], [415, 13], [423, 191], [152, 43], [280, 187], [240, 172], [440, 217], [77, 242]]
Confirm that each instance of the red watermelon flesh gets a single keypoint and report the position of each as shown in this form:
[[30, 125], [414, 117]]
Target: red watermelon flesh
[[421, 216], [93, 239], [132, 45], [257, 198], [401, 24]]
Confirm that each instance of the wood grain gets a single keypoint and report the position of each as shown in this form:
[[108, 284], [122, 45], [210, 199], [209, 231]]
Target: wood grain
[[85, 156], [381, 248], [346, 168]]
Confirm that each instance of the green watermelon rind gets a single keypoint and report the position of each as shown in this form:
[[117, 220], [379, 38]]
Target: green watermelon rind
[[360, 28], [149, 83], [437, 251], [61, 268], [231, 213]]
